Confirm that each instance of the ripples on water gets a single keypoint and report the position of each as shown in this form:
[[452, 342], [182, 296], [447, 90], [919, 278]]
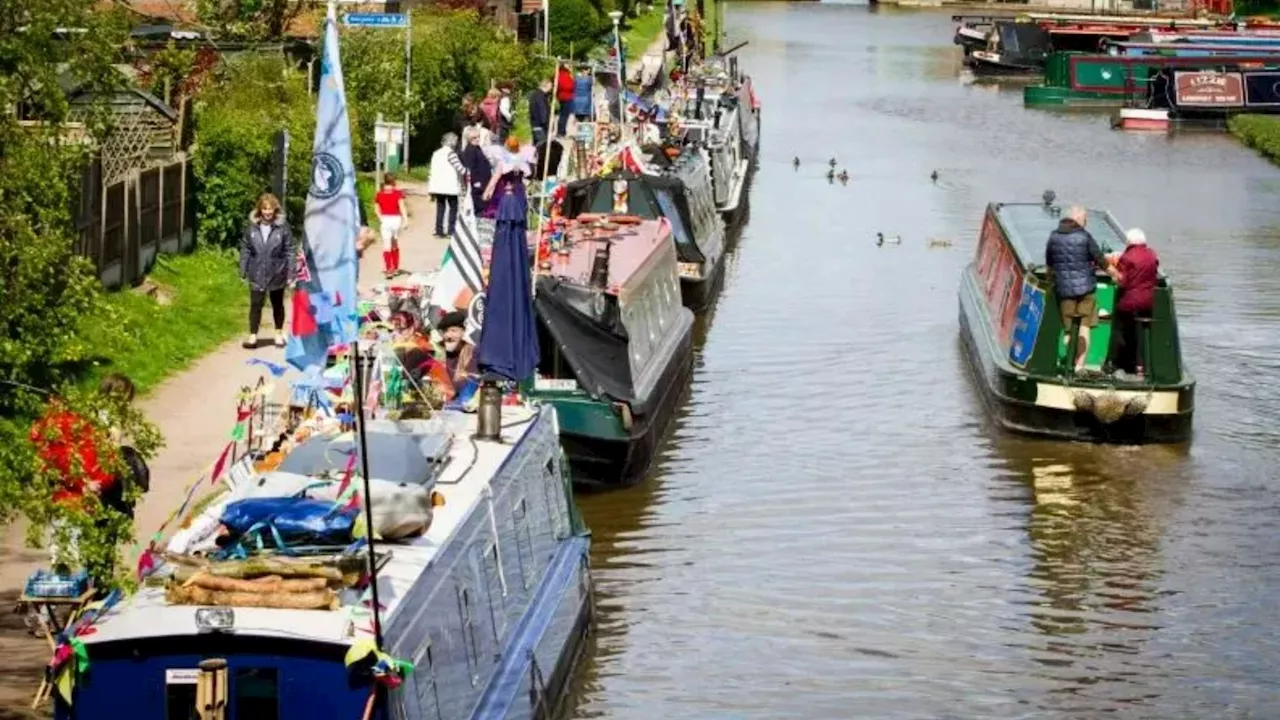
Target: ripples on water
[[833, 530]]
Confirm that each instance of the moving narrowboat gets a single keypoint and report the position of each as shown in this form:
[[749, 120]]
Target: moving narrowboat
[[486, 591], [616, 344], [682, 194], [1013, 336]]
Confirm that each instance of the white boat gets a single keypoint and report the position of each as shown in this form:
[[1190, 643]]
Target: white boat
[[490, 605], [1141, 119]]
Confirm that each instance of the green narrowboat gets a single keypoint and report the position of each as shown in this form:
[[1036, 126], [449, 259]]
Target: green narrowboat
[[1078, 79], [1014, 340], [616, 347]]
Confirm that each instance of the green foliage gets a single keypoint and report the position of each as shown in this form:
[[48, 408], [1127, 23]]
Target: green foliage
[[373, 77], [366, 188], [1260, 132], [642, 31], [237, 117], [457, 52], [249, 19], [576, 25]]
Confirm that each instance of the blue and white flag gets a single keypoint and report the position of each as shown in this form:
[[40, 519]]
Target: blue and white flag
[[332, 219]]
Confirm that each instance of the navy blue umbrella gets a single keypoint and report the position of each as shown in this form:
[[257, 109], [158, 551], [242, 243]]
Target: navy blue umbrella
[[509, 339]]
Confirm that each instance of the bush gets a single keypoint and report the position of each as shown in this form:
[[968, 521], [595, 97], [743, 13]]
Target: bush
[[1260, 132], [576, 25], [236, 119]]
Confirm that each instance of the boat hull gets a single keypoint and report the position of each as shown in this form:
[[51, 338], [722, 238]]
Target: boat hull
[[1041, 413], [1051, 96], [604, 457], [697, 293], [993, 64]]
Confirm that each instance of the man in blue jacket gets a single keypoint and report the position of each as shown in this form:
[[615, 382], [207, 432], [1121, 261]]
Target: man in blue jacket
[[1074, 257], [540, 111]]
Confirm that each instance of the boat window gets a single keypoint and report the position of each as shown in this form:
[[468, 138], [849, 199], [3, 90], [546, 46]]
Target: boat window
[[667, 203], [256, 694], [180, 701]]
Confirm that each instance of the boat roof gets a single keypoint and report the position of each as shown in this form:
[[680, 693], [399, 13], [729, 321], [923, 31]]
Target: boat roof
[[464, 479], [1027, 225], [1118, 21], [632, 248]]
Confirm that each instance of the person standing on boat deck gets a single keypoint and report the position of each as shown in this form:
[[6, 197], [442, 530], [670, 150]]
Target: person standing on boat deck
[[1073, 256], [269, 263], [1136, 271], [540, 111], [445, 183]]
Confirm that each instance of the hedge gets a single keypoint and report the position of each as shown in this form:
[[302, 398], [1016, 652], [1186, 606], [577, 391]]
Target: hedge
[[1260, 132]]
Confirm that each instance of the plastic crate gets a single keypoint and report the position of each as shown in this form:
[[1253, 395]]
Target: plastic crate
[[48, 584]]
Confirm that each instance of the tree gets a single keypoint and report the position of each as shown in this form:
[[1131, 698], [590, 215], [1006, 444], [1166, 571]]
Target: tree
[[250, 19], [48, 294]]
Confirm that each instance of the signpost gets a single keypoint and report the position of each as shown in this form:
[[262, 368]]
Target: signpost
[[388, 138], [393, 21]]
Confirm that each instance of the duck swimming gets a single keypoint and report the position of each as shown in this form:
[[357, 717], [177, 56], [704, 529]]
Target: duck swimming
[[795, 163], [934, 176], [891, 240], [832, 163], [843, 176], [831, 175]]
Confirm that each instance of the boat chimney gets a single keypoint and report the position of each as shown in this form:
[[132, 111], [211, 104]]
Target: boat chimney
[[600, 266], [489, 413], [697, 104]]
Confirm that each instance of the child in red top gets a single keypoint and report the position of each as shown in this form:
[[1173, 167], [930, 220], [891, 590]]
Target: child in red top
[[72, 447], [394, 217]]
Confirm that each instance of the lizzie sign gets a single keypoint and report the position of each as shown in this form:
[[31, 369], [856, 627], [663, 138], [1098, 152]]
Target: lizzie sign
[[1208, 89]]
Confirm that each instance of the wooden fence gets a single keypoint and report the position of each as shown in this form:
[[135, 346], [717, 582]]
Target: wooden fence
[[124, 226]]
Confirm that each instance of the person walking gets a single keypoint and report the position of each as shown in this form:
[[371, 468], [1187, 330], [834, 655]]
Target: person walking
[[268, 263], [445, 183], [479, 169], [393, 217], [565, 89], [540, 111]]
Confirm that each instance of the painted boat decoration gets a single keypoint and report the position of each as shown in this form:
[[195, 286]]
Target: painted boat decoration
[[681, 192], [1105, 80], [1013, 338], [490, 603], [616, 345]]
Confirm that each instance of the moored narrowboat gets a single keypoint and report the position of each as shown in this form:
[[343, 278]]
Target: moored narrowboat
[[616, 344], [682, 194], [1013, 48], [486, 595], [1014, 341]]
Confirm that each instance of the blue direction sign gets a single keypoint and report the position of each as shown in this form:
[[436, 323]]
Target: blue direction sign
[[385, 20]]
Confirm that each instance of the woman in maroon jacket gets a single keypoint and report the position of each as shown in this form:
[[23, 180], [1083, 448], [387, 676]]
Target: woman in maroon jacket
[[1137, 270]]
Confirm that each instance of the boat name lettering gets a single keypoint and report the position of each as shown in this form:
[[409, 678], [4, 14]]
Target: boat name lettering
[[1208, 89], [181, 676]]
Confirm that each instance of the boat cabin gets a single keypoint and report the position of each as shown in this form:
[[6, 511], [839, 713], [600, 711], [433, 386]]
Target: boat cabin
[[682, 194], [1021, 307], [609, 312]]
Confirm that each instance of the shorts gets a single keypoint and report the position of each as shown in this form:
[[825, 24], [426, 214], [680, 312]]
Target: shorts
[[390, 229], [1084, 307]]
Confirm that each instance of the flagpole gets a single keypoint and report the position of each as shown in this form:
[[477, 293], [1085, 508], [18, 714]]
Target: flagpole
[[357, 401]]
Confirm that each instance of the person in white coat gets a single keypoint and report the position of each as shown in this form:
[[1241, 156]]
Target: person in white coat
[[445, 183]]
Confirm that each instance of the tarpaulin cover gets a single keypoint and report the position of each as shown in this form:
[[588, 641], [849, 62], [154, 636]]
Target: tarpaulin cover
[[1023, 42], [595, 195], [595, 346], [294, 520]]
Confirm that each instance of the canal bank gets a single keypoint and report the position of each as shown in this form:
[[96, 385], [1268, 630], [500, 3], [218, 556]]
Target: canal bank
[[1260, 132], [833, 523]]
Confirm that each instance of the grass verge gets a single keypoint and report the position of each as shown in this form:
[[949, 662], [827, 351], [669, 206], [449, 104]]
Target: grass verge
[[1260, 132], [199, 303], [642, 31]]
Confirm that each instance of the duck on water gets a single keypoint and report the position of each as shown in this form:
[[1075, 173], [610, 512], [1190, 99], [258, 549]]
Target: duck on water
[[1022, 352]]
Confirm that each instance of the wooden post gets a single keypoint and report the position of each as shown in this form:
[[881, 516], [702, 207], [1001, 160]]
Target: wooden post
[[211, 690]]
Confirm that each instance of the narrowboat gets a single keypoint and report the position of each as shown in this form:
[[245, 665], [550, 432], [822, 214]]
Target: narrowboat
[[1013, 336], [682, 193], [488, 597], [972, 31], [616, 344], [1101, 80], [1013, 48], [715, 123]]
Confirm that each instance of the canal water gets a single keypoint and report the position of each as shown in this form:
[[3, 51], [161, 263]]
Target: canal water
[[833, 530]]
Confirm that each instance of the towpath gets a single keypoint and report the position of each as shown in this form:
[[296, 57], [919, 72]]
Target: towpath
[[195, 409]]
